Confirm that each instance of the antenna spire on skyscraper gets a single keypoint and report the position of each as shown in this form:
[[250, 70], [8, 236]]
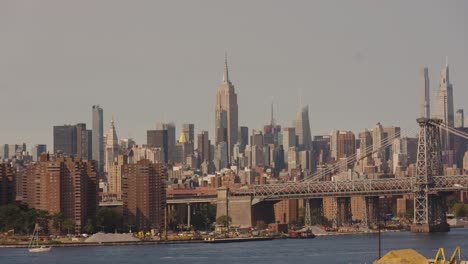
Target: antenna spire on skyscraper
[[226, 72]]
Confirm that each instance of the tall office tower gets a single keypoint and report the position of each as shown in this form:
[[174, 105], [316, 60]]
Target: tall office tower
[[112, 146], [7, 184], [144, 195], [278, 158], [189, 131], [83, 142], [114, 174], [257, 138], [98, 137], [459, 118], [226, 110], [306, 160], [221, 156], [377, 140], [184, 149], [65, 140], [425, 95], [404, 152], [4, 153], [289, 140], [171, 140], [243, 138], [37, 150], [66, 184], [321, 147], [365, 149], [301, 123], [221, 133], [203, 146], [343, 144], [443, 106], [158, 139], [269, 130]]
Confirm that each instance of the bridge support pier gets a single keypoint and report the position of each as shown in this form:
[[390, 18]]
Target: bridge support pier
[[429, 208], [188, 216], [341, 211], [313, 212], [370, 211]]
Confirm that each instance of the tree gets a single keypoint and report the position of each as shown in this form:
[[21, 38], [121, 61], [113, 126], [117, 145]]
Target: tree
[[459, 210], [89, 227], [224, 220], [69, 224], [110, 219], [57, 221]]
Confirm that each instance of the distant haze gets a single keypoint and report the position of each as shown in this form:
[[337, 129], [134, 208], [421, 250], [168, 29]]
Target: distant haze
[[354, 62]]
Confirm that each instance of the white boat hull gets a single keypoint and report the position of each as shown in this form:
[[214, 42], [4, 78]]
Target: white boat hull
[[40, 249]]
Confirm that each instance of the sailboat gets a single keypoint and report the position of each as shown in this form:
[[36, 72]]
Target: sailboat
[[34, 243]]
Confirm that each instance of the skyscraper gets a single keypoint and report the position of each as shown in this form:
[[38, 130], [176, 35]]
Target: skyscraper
[[243, 138], [443, 105], [203, 147], [158, 139], [98, 137], [301, 123], [112, 146], [189, 131], [65, 140], [289, 140], [7, 184], [459, 118], [226, 110], [425, 96]]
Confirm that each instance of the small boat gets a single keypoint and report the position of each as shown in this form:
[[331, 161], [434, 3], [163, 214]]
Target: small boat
[[303, 233], [34, 243]]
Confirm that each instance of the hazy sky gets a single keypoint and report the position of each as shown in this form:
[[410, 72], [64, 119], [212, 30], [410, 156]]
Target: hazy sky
[[354, 62]]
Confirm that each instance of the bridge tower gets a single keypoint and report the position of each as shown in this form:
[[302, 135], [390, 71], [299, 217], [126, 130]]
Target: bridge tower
[[429, 208]]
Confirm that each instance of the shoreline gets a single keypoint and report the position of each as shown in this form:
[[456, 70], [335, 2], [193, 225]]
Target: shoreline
[[169, 242]]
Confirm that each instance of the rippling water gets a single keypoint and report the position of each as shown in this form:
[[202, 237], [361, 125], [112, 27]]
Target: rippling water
[[330, 249]]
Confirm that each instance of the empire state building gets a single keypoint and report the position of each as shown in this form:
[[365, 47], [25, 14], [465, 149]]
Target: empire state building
[[226, 113]]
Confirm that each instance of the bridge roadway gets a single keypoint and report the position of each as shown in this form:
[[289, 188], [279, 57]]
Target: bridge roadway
[[374, 187]]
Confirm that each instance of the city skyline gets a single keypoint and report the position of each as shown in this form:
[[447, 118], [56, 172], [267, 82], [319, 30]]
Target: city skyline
[[357, 71]]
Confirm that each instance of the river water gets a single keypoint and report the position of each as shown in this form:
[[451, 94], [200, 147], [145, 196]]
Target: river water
[[328, 249]]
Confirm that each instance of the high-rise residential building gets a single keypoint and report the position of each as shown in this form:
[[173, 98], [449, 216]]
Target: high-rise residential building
[[112, 146], [144, 195], [203, 146], [37, 150], [321, 147], [302, 126], [158, 139], [443, 106], [425, 95], [243, 138], [289, 140], [66, 184], [226, 110], [98, 137], [459, 118], [65, 140], [7, 184], [114, 174]]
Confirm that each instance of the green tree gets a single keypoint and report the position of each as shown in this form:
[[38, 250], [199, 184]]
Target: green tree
[[110, 219], [224, 220], [69, 224], [57, 221], [89, 227], [458, 210]]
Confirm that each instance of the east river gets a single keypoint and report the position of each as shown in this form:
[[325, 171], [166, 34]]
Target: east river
[[361, 248]]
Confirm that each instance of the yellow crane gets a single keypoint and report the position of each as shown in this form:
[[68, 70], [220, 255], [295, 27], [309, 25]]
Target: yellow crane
[[441, 254]]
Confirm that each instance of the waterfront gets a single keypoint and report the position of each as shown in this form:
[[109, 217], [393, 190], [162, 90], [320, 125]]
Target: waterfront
[[328, 249]]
